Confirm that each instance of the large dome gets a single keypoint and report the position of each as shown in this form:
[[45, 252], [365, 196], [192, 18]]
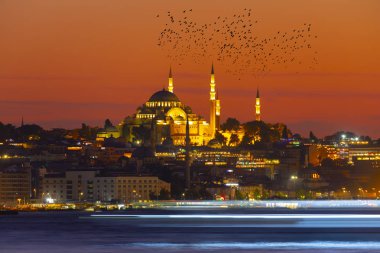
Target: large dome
[[163, 96]]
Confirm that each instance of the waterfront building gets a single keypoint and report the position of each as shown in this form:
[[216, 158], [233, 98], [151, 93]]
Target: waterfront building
[[15, 184], [91, 185]]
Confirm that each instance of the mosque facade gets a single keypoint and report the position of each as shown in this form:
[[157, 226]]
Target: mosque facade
[[164, 117]]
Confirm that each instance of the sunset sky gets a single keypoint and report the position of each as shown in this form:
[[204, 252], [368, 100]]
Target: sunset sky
[[67, 62]]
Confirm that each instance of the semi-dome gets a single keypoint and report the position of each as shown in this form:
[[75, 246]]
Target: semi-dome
[[163, 96], [179, 118]]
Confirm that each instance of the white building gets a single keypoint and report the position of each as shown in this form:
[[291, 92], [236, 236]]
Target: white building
[[95, 186]]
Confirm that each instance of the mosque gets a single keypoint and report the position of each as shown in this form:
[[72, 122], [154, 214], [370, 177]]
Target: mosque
[[164, 117]]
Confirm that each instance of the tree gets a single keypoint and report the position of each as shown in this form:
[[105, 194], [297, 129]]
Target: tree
[[163, 195], [7, 131], [234, 140], [312, 137], [258, 131], [246, 140], [197, 193], [339, 135], [220, 138], [284, 134], [85, 132], [304, 194], [141, 133], [126, 132], [257, 194], [231, 124], [277, 132], [107, 124], [239, 195], [204, 194], [192, 194], [30, 130], [55, 134]]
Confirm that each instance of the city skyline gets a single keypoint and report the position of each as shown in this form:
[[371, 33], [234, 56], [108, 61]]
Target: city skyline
[[189, 126], [68, 63]]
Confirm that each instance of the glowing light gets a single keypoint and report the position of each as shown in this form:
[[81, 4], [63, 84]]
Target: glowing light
[[265, 245], [244, 216], [49, 200], [74, 148]]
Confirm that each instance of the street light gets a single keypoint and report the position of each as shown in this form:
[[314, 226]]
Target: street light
[[294, 178], [134, 195]]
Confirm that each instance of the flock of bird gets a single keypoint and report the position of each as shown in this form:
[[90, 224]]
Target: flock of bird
[[234, 41]]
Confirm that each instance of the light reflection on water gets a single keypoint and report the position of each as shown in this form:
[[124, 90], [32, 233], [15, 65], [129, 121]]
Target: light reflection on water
[[75, 232], [221, 247]]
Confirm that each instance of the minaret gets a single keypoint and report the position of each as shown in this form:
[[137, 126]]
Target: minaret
[[257, 106], [217, 111], [153, 133], [187, 157], [170, 87], [22, 121], [212, 103]]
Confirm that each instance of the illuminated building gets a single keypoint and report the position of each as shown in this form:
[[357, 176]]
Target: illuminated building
[[363, 154], [97, 186], [215, 157], [108, 132], [316, 153], [257, 106], [258, 166], [111, 154], [217, 112], [164, 116], [170, 86], [15, 184], [168, 115], [214, 105]]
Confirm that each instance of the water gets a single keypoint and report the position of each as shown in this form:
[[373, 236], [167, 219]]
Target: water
[[238, 230]]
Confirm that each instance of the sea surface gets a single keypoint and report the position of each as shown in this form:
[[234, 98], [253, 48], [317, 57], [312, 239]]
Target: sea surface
[[230, 230]]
